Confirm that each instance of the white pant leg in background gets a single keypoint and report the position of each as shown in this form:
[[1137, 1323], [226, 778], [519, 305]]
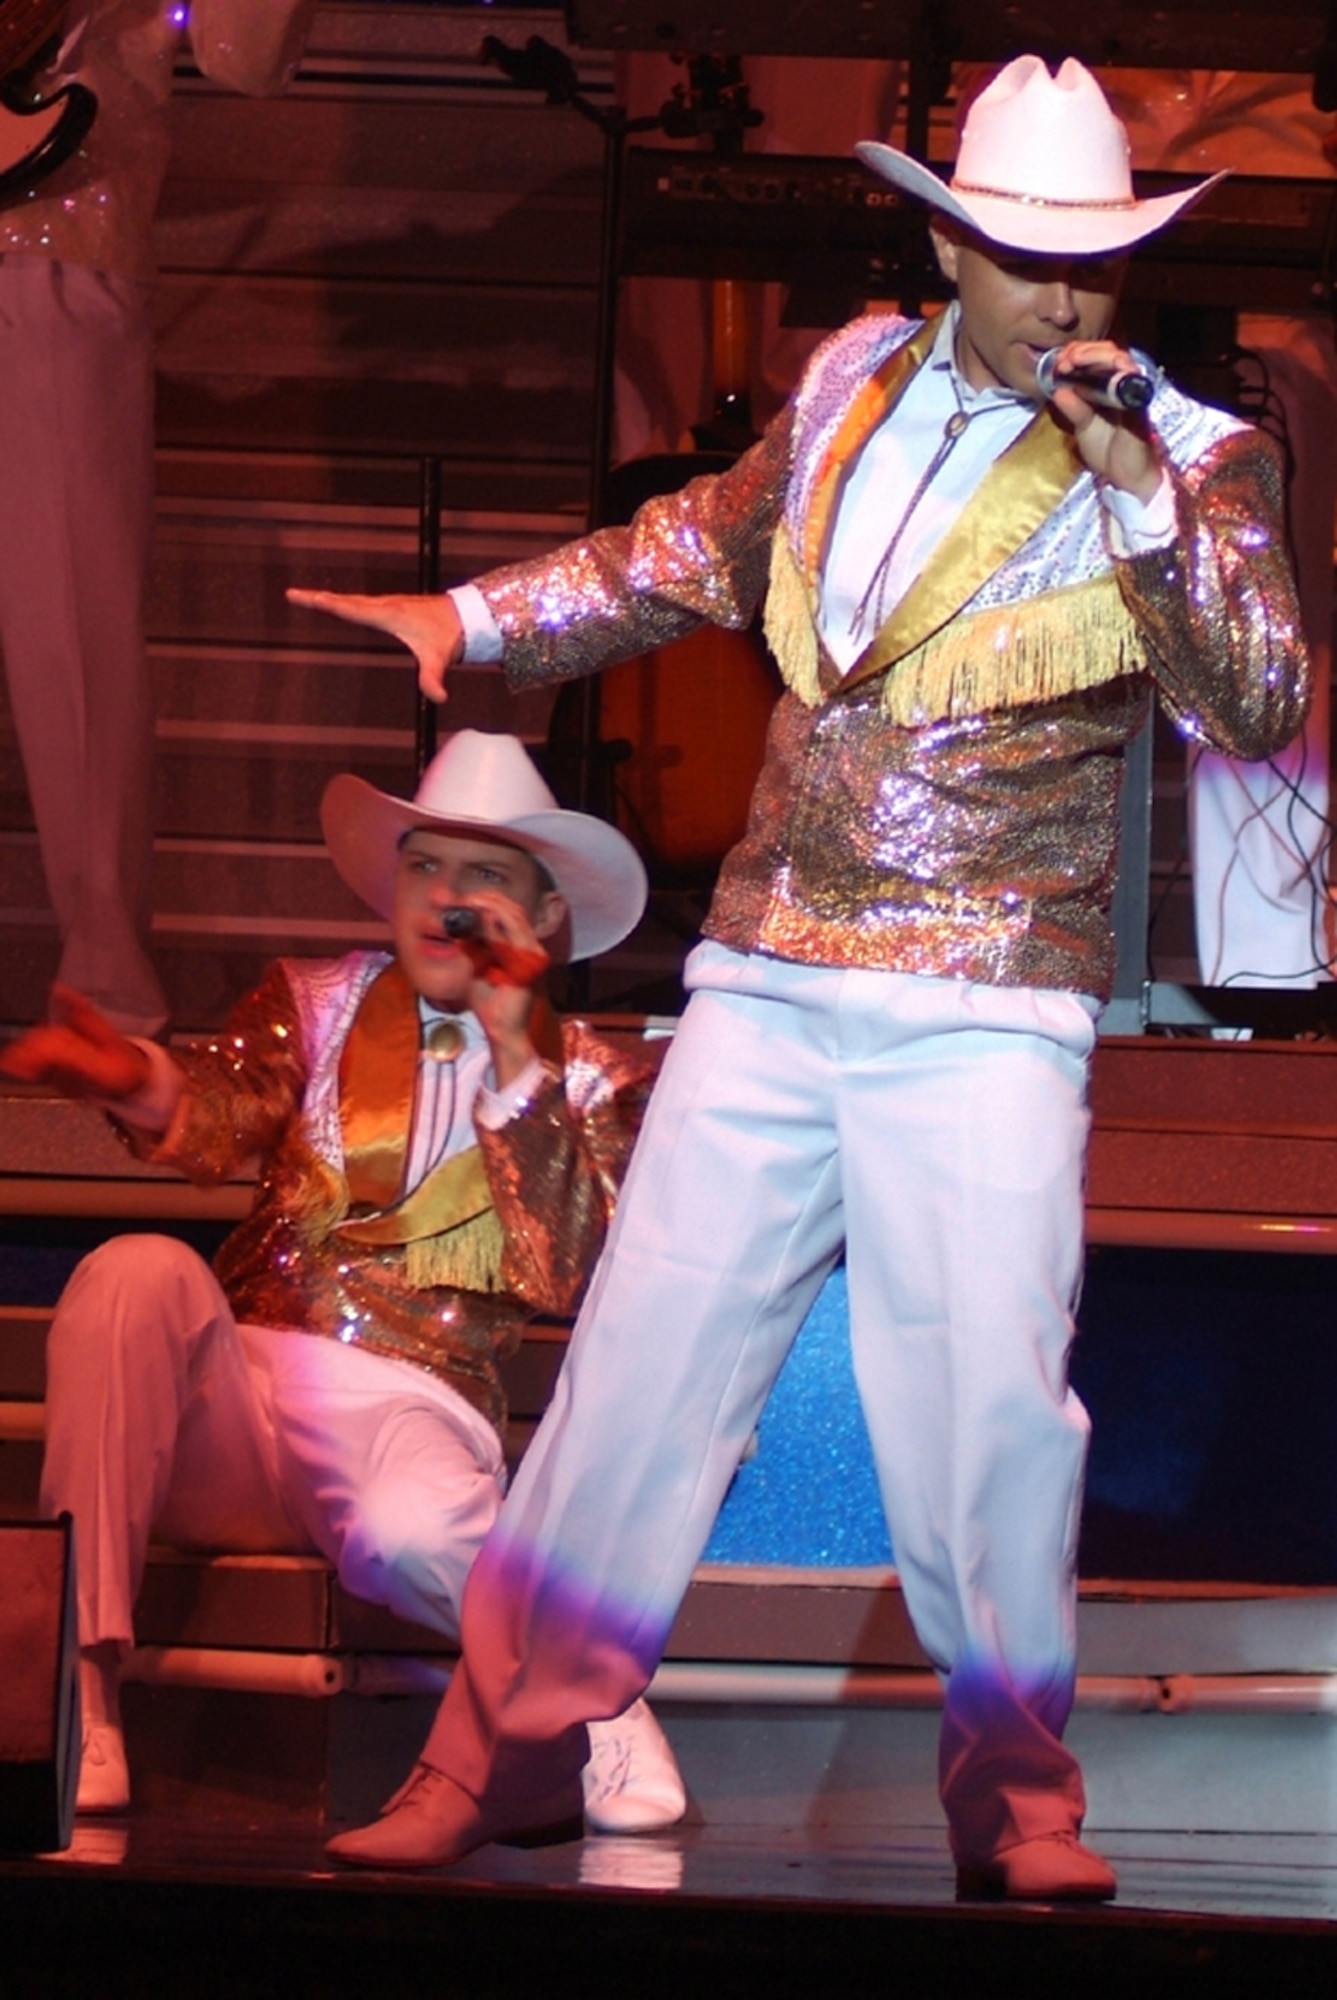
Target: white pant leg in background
[[152, 1415], [394, 1476], [786, 1085], [166, 1420], [1258, 832], [76, 514]]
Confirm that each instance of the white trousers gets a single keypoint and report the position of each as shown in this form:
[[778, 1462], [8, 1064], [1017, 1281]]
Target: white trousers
[[936, 1129], [167, 1419], [76, 512]]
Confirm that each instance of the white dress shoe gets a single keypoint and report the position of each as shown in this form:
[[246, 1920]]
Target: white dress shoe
[[104, 1775], [631, 1783]]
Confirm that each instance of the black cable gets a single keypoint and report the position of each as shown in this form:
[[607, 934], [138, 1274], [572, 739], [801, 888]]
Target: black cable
[[1313, 865]]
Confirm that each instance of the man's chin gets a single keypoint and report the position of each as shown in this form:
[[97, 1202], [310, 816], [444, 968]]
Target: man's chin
[[445, 987]]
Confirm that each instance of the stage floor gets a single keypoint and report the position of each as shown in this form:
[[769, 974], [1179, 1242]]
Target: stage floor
[[201, 1905], [1273, 1876]]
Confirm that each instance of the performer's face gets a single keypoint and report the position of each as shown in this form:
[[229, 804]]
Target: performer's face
[[1015, 306], [440, 870]]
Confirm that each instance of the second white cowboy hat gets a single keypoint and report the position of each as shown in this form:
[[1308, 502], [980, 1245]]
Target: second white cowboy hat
[[487, 786], [1043, 166]]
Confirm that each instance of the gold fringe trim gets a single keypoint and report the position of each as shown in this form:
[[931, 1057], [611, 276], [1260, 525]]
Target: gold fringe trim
[[318, 1197], [1016, 655], [790, 625], [1008, 657], [467, 1257]]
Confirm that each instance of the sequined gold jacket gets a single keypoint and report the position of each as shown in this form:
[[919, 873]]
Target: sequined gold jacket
[[950, 805], [267, 1089]]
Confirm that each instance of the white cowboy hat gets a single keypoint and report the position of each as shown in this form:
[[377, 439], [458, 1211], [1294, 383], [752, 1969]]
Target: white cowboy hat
[[487, 785], [1043, 165]]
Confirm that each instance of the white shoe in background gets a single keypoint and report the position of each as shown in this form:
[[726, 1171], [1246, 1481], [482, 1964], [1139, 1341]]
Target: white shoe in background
[[631, 1783], [104, 1775]]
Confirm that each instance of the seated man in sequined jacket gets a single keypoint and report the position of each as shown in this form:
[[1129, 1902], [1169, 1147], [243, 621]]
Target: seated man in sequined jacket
[[976, 559], [438, 1160]]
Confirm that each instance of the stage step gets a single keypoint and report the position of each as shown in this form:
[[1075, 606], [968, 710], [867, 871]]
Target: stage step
[[1195, 1144], [774, 1744], [792, 1695]]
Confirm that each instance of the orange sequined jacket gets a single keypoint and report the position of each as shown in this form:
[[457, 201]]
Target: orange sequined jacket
[[950, 806], [268, 1089]]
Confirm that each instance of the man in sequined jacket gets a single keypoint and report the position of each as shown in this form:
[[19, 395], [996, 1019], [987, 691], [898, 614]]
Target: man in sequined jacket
[[969, 586], [438, 1160]]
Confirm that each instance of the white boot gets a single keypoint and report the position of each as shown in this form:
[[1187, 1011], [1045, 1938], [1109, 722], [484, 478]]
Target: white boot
[[631, 1783], [104, 1775]]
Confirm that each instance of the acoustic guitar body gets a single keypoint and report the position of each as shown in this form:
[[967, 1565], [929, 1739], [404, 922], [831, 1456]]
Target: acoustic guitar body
[[26, 29], [681, 731], [35, 137]]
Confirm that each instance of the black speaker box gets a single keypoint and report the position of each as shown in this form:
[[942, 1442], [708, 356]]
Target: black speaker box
[[40, 1738]]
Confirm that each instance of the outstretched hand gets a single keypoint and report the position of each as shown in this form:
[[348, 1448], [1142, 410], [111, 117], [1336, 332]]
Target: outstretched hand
[[77, 1052], [429, 626]]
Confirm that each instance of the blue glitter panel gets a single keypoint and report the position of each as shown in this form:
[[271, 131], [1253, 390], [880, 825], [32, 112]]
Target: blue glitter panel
[[808, 1496]]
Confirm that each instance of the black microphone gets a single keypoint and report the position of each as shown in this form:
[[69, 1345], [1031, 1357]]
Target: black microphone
[[459, 921], [1104, 383]]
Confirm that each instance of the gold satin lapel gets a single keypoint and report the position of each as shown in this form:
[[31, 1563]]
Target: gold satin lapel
[[452, 1193], [879, 394], [1019, 491], [378, 1074]]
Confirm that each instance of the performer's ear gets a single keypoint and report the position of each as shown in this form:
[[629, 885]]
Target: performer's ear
[[550, 914], [946, 245]]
